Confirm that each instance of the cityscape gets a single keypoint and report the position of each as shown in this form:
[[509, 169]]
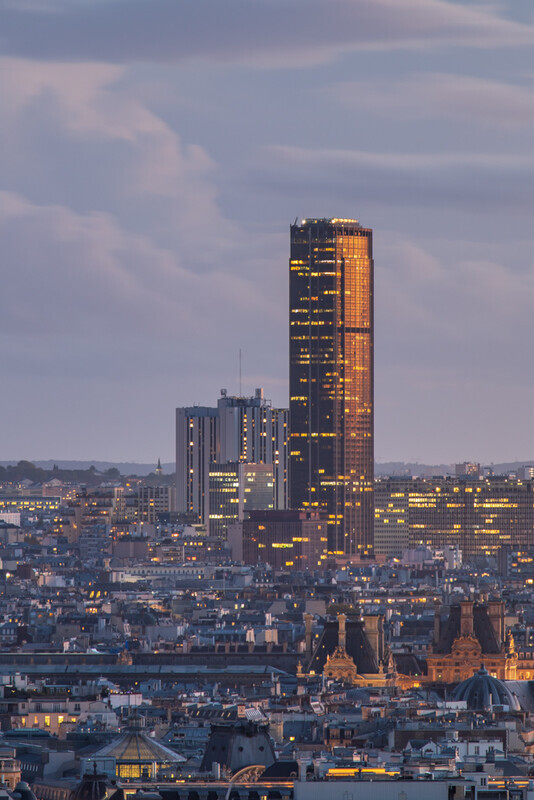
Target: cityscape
[[268, 530], [270, 619]]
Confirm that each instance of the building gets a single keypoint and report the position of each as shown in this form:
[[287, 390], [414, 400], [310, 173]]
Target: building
[[471, 635], [331, 378], [349, 650], [154, 500], [284, 539], [252, 431], [135, 755], [239, 430], [196, 448], [10, 772], [479, 516], [233, 490], [238, 745], [467, 468]]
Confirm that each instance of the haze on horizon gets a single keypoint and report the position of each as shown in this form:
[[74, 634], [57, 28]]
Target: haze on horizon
[[154, 156]]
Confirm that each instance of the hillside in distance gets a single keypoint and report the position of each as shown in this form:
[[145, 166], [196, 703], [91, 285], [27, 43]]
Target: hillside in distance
[[123, 467]]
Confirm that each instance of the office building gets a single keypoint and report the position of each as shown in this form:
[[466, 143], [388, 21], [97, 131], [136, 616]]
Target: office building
[[153, 501], [250, 430], [239, 430], [196, 448], [331, 378], [293, 540], [467, 468], [479, 516], [234, 489]]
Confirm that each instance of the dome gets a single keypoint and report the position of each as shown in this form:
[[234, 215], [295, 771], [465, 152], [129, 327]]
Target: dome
[[482, 692], [137, 755], [91, 787], [24, 791]]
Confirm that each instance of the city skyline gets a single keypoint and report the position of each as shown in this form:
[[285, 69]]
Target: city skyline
[[154, 157]]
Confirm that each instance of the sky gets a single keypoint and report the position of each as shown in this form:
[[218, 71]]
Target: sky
[[154, 154]]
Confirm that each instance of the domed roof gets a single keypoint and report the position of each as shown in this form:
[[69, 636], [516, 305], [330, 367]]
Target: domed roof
[[136, 747], [23, 790], [91, 787], [482, 692]]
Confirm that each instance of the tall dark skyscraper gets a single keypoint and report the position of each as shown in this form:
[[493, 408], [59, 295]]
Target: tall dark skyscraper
[[331, 378]]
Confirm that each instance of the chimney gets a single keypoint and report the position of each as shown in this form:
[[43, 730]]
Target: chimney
[[437, 620], [374, 630], [342, 631], [308, 619], [496, 617], [466, 619]]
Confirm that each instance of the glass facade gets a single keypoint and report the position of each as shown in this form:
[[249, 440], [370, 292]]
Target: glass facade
[[240, 429], [234, 489], [479, 516], [331, 378]]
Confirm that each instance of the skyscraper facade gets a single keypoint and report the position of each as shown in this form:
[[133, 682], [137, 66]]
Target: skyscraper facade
[[196, 449], [235, 488], [250, 430], [478, 516], [240, 430], [331, 378]]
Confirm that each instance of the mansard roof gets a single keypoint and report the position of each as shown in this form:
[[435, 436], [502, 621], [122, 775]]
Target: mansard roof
[[357, 646], [482, 629]]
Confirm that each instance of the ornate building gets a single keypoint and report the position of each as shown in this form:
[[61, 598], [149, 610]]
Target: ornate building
[[350, 651], [472, 634]]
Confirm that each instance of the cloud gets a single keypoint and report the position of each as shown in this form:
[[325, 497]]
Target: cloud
[[76, 136], [452, 342], [103, 332], [453, 307], [471, 181], [80, 276], [270, 33], [144, 209], [440, 96]]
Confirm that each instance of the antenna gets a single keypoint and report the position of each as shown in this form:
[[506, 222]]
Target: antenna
[[240, 390]]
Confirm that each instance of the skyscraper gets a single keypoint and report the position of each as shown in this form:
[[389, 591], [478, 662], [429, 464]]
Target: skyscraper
[[240, 430], [196, 449], [331, 378]]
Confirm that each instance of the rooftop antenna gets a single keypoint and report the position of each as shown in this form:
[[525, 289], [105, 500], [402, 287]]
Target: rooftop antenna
[[240, 390]]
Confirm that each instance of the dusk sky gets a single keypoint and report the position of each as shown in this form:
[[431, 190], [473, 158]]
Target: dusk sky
[[154, 154]]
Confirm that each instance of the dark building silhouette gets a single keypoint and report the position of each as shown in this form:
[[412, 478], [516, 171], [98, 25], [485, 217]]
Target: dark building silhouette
[[237, 746], [331, 378]]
